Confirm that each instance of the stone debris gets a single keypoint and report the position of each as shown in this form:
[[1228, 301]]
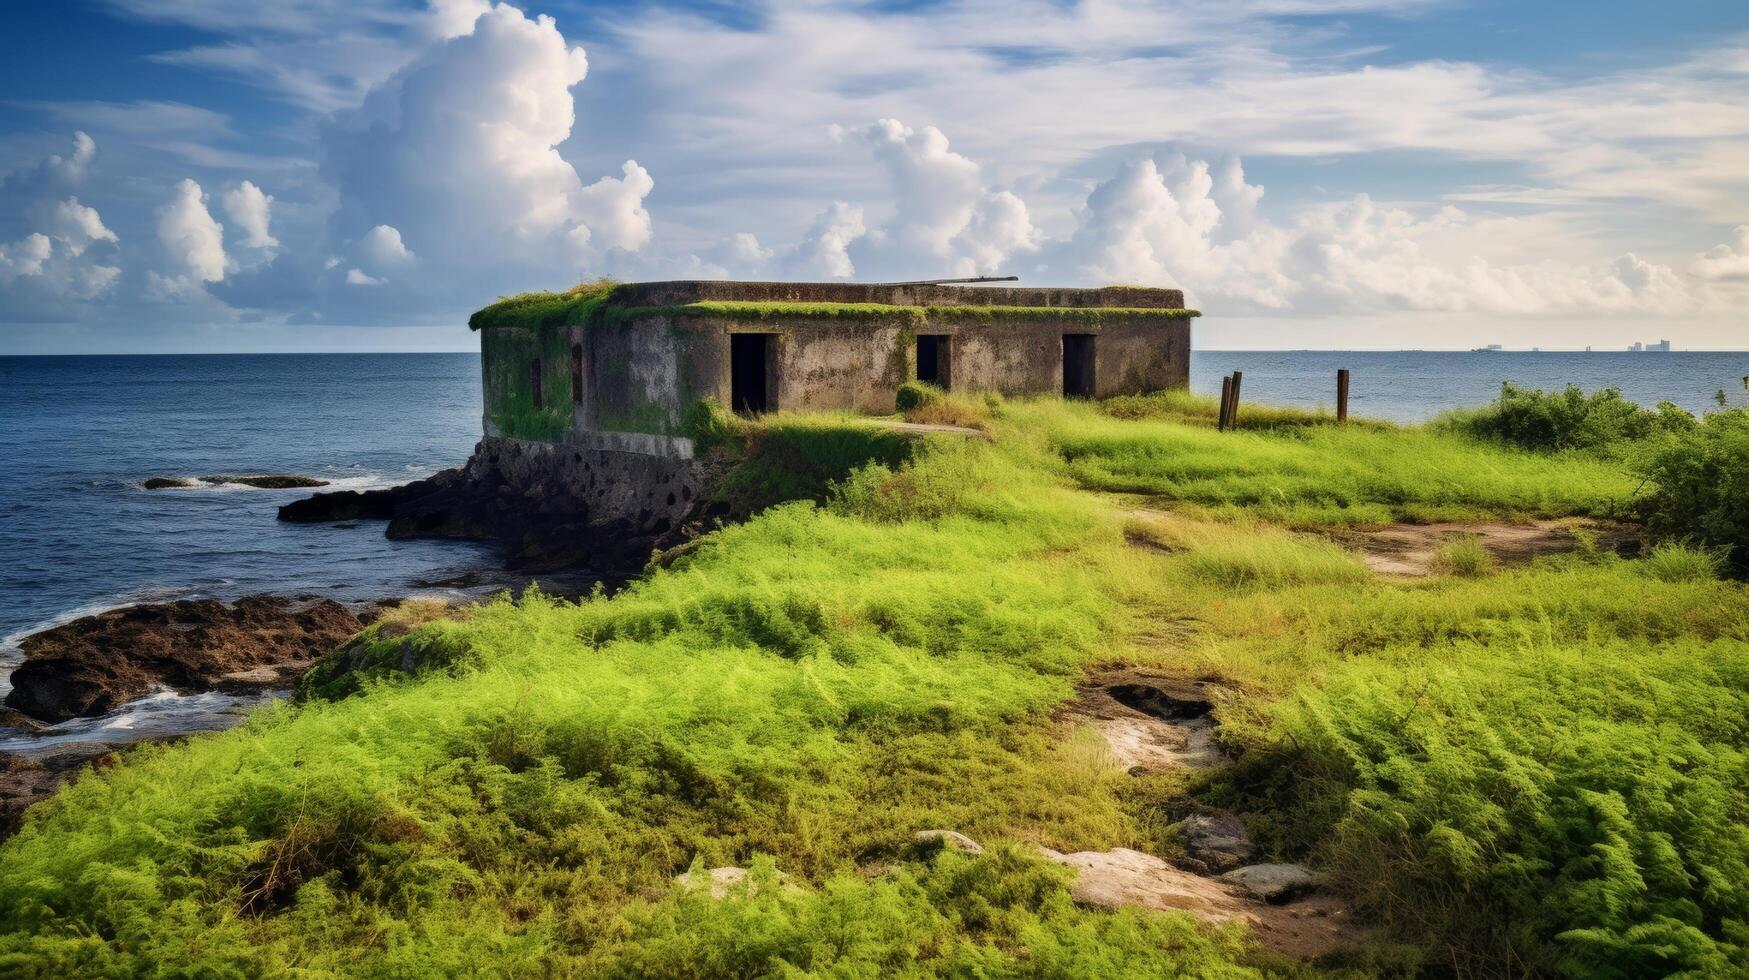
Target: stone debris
[[1215, 840], [1119, 877], [1273, 883], [946, 840]]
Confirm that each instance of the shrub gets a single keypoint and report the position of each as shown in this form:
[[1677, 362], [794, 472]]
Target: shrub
[[1699, 485], [1464, 555], [1673, 562], [916, 394], [1571, 419]]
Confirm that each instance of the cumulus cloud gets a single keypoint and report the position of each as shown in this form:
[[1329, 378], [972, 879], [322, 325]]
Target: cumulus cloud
[[944, 217], [1171, 226], [1729, 262], [357, 277], [77, 227], [26, 257], [251, 211], [53, 264], [193, 241], [824, 250], [457, 155], [383, 249]]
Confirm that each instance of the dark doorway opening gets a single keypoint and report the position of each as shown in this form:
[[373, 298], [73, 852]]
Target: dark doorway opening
[[933, 364], [576, 374], [534, 382], [750, 373], [1077, 365]]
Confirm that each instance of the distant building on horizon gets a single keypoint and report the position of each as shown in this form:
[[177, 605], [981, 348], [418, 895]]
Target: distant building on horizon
[[1661, 347]]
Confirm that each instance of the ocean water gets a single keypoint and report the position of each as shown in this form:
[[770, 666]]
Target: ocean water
[[78, 435], [1413, 386]]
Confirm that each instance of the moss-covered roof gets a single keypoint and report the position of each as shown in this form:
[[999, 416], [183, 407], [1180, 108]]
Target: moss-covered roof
[[594, 302]]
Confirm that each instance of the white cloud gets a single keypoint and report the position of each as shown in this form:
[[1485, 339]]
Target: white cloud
[[944, 218], [50, 267], [823, 251], [457, 153], [383, 249], [1727, 263], [191, 238], [26, 257], [77, 227], [1172, 227], [357, 277], [251, 210]]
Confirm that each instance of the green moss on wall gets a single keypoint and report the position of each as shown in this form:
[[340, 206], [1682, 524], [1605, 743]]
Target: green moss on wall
[[573, 307], [592, 303], [882, 312], [506, 357]]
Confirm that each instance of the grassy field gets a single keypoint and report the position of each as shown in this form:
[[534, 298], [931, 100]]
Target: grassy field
[[1513, 771]]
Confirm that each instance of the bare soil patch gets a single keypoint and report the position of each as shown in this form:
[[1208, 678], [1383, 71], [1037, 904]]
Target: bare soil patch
[[1409, 550]]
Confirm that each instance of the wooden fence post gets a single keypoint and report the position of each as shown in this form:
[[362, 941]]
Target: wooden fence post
[[1226, 395], [1341, 395], [1233, 409]]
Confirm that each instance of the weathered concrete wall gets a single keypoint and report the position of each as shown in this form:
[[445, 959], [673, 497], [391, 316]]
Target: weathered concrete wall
[[641, 493]]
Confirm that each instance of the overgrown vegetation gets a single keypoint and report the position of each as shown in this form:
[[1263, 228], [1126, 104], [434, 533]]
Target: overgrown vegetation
[[1570, 419], [1699, 484], [1536, 770]]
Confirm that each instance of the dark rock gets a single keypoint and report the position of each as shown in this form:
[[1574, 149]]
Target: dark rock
[[23, 782], [92, 665], [168, 483], [18, 719], [1215, 840], [549, 507], [1273, 883], [268, 481]]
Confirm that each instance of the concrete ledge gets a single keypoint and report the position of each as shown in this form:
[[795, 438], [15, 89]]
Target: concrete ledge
[[683, 291]]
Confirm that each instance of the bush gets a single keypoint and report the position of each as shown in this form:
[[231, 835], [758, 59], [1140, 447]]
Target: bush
[[1571, 419], [916, 394], [1699, 486], [1673, 562], [1464, 555]]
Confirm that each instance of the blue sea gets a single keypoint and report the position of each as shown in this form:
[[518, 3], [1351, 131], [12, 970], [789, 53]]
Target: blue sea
[[78, 436]]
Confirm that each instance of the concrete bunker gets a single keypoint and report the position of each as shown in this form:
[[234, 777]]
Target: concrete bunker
[[638, 359]]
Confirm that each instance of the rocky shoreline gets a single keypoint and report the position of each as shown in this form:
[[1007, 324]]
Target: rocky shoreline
[[547, 507], [98, 664]]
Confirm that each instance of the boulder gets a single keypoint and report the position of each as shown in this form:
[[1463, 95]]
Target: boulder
[[945, 840], [1215, 840], [268, 481], [1122, 877], [168, 483], [94, 664], [1273, 883]]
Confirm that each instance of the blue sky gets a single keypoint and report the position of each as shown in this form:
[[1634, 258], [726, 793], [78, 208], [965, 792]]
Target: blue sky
[[359, 174]]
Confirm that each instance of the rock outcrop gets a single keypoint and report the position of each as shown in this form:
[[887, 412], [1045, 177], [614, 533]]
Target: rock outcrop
[[264, 481], [550, 506], [94, 664]]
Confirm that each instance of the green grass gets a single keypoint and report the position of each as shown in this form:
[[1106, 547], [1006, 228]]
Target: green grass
[[1327, 475], [1537, 770]]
